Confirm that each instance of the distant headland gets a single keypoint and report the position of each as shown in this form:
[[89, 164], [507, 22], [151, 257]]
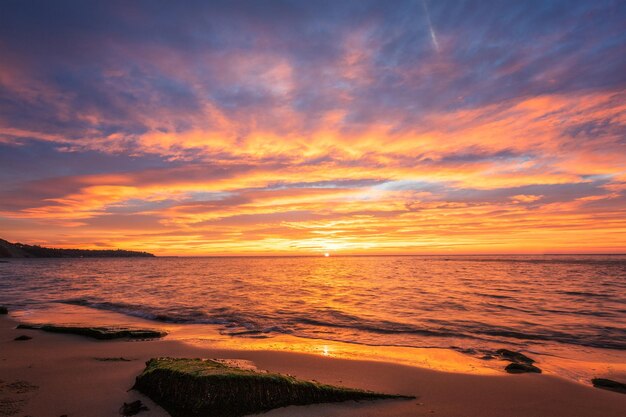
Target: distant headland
[[20, 250]]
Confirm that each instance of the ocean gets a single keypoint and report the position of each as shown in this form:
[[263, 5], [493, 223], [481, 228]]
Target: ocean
[[567, 306]]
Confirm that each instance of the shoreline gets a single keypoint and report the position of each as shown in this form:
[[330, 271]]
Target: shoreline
[[53, 365], [575, 363]]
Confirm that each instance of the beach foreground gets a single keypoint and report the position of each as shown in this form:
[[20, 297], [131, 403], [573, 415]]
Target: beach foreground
[[55, 375]]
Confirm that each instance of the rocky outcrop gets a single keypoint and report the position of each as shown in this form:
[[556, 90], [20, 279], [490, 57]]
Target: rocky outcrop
[[196, 387], [102, 333]]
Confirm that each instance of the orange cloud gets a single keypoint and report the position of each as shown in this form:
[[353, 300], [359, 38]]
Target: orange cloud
[[371, 190]]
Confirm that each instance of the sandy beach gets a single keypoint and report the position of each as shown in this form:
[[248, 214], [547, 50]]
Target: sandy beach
[[55, 375]]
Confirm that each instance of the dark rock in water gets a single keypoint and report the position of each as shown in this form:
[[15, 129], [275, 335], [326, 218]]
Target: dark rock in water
[[130, 409], [108, 359], [520, 368], [521, 363], [4, 310], [609, 384], [196, 387], [512, 356], [22, 337], [102, 333], [487, 357]]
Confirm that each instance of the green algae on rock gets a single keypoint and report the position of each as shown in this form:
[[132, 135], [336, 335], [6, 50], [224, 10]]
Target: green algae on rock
[[102, 333], [197, 387]]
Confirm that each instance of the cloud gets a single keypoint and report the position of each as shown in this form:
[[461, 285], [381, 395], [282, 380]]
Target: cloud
[[526, 198], [288, 126]]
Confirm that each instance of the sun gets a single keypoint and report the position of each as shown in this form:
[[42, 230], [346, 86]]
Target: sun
[[327, 254]]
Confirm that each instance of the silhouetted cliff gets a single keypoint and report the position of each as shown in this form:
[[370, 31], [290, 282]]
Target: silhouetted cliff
[[19, 250]]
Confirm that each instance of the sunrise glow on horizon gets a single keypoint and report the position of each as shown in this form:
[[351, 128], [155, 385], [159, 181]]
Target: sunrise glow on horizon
[[314, 128]]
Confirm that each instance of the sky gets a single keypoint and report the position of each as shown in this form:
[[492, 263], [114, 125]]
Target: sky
[[305, 127]]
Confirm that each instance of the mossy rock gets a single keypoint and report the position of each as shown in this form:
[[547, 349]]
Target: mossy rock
[[609, 384], [102, 333], [197, 388]]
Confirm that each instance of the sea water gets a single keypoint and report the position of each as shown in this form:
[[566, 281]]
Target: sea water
[[566, 306]]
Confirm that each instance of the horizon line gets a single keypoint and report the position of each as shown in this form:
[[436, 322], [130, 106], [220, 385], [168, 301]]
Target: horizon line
[[389, 255]]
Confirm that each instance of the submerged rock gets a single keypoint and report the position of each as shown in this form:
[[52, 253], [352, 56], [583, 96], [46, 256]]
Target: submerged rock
[[196, 387], [102, 333], [520, 362], [4, 310], [22, 337], [512, 356], [609, 384], [130, 409], [114, 359], [520, 368]]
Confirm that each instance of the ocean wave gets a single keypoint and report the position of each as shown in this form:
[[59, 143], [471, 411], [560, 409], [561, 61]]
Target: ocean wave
[[316, 324], [618, 260], [584, 294], [181, 316]]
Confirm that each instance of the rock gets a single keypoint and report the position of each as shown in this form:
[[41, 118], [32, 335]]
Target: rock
[[520, 368], [196, 387], [4, 310], [22, 337], [130, 409], [609, 384], [514, 356], [108, 359], [102, 333]]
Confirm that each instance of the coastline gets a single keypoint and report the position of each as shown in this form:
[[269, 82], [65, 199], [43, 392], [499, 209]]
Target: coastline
[[566, 361], [60, 374], [347, 308]]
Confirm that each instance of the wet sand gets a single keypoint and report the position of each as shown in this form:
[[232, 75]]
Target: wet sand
[[53, 375]]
